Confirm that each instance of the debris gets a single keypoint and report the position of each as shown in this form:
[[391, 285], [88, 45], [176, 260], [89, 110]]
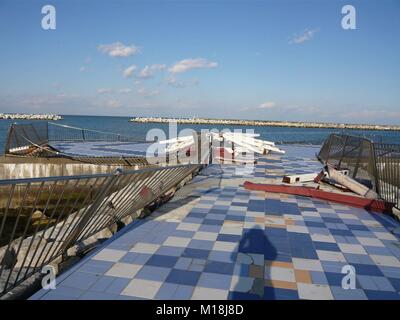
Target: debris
[[306, 177], [351, 184], [355, 201]]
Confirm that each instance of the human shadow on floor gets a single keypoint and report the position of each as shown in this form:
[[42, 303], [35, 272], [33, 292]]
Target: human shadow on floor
[[254, 248]]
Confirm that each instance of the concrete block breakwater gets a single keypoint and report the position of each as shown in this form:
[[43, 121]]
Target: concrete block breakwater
[[292, 124], [25, 116]]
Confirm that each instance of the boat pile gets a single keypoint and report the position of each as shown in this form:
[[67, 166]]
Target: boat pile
[[224, 145]]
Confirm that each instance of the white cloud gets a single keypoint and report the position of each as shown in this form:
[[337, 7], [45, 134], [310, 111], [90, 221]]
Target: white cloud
[[104, 90], [173, 82], [128, 72], [188, 64], [149, 71], [125, 90], [82, 69], [147, 94], [118, 49], [112, 104], [267, 105], [303, 37]]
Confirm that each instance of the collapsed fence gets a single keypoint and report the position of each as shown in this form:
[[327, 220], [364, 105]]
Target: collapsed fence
[[42, 219], [376, 165], [22, 138]]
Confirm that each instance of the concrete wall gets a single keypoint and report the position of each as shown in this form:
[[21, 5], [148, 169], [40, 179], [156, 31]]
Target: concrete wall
[[35, 170]]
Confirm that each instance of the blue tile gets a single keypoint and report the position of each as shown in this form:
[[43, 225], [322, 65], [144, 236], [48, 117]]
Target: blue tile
[[350, 294], [326, 246], [185, 277], [318, 277], [252, 241], [196, 215], [215, 281], [334, 279], [315, 224], [153, 273], [196, 253], [102, 283], [256, 205], [382, 295], [170, 251], [183, 292], [395, 283], [201, 244], [210, 228], [222, 256], [338, 232], [219, 267], [354, 227], [96, 266], [136, 258], [118, 285], [213, 222], [280, 294], [366, 269], [162, 261], [234, 295], [183, 233], [166, 291], [229, 237], [80, 280], [358, 258]]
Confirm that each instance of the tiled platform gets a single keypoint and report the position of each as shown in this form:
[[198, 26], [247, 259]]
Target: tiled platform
[[217, 240], [102, 149]]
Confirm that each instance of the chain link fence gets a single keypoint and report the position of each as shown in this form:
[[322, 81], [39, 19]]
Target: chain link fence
[[376, 165]]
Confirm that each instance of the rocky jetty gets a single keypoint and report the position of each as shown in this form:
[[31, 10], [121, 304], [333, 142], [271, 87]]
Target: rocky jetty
[[292, 124], [25, 116]]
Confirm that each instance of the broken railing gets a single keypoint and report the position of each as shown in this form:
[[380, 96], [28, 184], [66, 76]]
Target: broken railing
[[376, 165], [23, 136], [42, 219]]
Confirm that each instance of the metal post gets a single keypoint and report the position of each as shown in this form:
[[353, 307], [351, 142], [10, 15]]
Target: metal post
[[92, 210]]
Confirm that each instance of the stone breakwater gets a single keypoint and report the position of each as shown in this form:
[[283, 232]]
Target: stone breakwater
[[291, 124], [24, 116]]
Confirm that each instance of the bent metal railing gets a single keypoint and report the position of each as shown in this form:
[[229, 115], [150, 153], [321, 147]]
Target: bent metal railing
[[23, 136], [376, 165], [41, 219]]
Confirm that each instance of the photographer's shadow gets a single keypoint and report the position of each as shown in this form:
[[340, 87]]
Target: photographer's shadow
[[254, 249]]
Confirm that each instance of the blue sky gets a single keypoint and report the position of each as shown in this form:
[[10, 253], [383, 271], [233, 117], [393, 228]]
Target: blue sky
[[278, 60]]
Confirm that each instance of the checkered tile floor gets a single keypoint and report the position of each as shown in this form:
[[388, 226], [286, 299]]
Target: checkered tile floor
[[100, 148], [239, 244]]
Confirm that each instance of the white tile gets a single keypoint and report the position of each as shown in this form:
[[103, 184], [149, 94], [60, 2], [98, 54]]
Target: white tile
[[142, 247], [330, 256], [177, 242], [109, 255], [307, 264], [352, 248], [373, 242], [385, 236], [231, 230], [201, 293], [188, 226], [225, 246], [322, 238], [298, 229], [123, 270], [387, 261], [279, 273], [201, 235], [142, 288], [314, 291]]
